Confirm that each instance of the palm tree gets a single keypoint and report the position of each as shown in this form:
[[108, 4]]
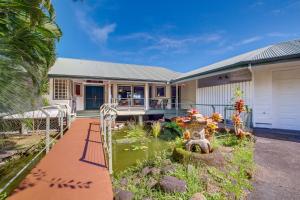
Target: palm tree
[[28, 35]]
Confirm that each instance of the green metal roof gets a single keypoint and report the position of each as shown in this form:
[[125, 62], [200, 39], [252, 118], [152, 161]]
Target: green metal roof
[[280, 51], [75, 68]]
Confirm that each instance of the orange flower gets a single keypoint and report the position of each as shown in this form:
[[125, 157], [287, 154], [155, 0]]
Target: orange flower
[[216, 117], [187, 135]]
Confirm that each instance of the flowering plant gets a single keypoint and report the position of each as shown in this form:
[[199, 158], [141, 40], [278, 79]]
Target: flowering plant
[[216, 117]]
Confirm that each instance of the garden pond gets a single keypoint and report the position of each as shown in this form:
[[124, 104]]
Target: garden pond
[[127, 151]]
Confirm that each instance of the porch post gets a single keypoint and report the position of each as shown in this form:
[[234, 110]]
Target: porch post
[[109, 93], [176, 96], [146, 101]]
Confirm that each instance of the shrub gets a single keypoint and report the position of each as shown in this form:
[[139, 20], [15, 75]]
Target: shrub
[[170, 131]]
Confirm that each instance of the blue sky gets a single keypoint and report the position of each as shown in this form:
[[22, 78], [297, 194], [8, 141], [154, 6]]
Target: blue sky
[[180, 35]]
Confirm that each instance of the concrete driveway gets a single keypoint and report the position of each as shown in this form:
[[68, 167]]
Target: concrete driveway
[[278, 170]]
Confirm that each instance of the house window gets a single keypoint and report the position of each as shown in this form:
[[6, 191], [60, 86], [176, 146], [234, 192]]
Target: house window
[[61, 88], [160, 91], [77, 89]]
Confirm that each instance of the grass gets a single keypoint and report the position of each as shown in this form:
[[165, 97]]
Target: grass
[[231, 182], [156, 128]]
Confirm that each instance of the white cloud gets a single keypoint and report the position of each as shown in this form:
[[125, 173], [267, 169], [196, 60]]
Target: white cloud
[[249, 40], [98, 34], [166, 43]]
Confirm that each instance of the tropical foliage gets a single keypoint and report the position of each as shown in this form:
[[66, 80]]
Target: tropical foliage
[[28, 34], [170, 131]]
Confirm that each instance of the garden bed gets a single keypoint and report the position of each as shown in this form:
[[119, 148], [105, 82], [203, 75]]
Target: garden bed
[[223, 174]]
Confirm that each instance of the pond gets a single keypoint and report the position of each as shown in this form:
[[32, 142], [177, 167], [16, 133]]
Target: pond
[[128, 151]]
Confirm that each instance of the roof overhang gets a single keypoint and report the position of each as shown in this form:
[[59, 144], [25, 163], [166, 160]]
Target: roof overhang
[[106, 78]]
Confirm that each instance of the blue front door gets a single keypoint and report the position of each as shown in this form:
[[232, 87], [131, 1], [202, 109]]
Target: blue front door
[[94, 97]]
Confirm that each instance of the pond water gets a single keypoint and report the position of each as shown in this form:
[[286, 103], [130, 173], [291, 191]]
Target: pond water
[[124, 154]]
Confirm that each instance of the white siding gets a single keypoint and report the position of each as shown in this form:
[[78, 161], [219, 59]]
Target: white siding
[[268, 98], [222, 95]]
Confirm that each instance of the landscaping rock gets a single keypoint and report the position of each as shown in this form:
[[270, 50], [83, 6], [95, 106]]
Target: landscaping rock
[[169, 169], [123, 182], [171, 184], [154, 171], [212, 188], [198, 196], [215, 159], [124, 195], [145, 171], [151, 183]]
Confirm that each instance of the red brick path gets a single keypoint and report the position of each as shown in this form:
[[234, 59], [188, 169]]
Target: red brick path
[[73, 169]]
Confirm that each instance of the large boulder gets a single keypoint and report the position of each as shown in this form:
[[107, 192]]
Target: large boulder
[[171, 184], [124, 195]]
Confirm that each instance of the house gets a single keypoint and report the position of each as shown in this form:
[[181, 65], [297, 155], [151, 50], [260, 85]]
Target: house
[[269, 77], [86, 85]]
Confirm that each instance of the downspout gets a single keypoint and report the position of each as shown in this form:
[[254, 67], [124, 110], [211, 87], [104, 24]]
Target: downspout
[[252, 121]]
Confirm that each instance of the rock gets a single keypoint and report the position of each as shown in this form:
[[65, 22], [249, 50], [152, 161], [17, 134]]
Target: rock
[[171, 184], [145, 171], [169, 169], [212, 188], [151, 183], [154, 171], [215, 159], [124, 195], [123, 182], [198, 196]]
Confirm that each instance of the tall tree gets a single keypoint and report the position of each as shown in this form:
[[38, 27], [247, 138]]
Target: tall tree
[[28, 35]]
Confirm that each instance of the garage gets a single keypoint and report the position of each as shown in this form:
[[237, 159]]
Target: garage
[[286, 99]]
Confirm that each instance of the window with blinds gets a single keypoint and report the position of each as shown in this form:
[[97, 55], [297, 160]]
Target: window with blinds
[[61, 89]]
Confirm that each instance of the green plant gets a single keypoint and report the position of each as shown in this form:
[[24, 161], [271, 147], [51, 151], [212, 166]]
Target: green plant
[[156, 128], [171, 131], [134, 131], [29, 35]]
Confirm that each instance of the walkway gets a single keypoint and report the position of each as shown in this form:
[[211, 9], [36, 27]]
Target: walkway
[[278, 170], [73, 169]]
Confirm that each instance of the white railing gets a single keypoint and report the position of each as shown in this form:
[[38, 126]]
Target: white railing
[[63, 113], [108, 115]]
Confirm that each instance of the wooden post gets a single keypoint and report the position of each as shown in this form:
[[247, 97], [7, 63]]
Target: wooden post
[[109, 93], [146, 96], [176, 99]]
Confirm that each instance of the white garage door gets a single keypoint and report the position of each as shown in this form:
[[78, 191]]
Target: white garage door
[[286, 99]]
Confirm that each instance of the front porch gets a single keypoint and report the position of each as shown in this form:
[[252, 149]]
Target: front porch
[[85, 96]]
